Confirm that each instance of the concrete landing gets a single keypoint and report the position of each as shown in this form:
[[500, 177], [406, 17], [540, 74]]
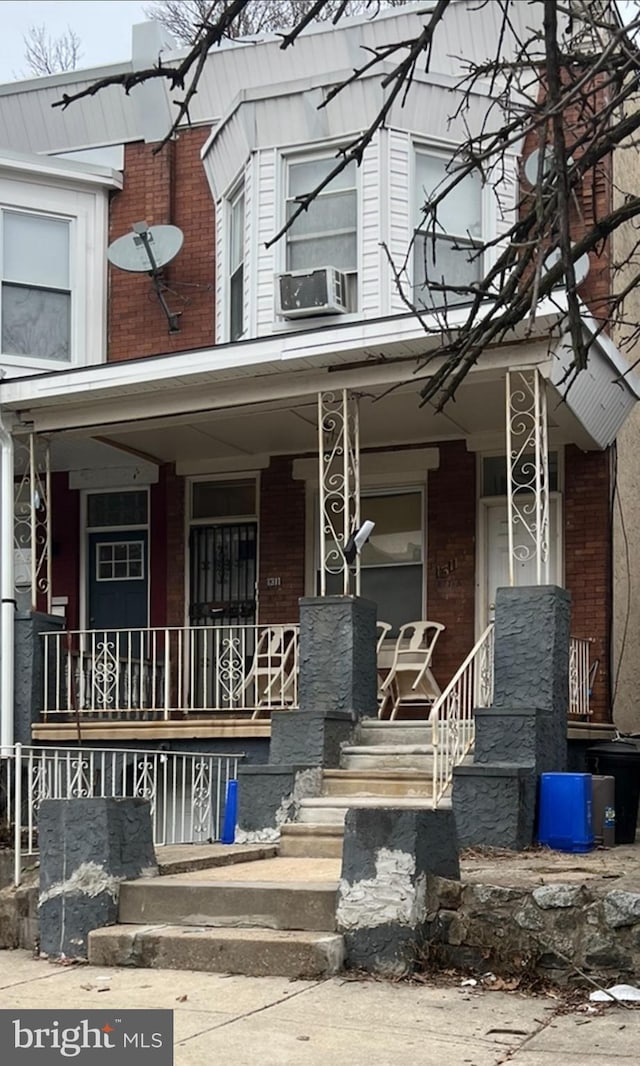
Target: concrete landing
[[297, 894]]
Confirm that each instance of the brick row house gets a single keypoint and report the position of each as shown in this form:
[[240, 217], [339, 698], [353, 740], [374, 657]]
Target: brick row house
[[170, 478]]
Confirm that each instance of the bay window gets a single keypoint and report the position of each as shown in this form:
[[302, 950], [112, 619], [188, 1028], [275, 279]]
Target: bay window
[[445, 250], [326, 234]]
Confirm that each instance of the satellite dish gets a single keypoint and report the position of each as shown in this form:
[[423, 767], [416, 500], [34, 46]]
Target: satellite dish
[[580, 266], [532, 164], [147, 249]]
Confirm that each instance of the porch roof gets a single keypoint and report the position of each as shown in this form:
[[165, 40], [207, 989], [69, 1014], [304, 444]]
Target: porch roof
[[230, 401]]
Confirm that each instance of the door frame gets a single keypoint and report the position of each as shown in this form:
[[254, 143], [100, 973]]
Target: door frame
[[226, 520], [85, 530], [485, 504]]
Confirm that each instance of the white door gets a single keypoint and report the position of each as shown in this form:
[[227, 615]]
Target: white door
[[496, 552]]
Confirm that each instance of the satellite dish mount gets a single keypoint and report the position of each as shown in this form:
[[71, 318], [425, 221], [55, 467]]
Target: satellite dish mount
[[146, 251]]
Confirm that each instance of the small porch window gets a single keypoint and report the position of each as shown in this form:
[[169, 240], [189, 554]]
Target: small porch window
[[445, 251], [494, 473]]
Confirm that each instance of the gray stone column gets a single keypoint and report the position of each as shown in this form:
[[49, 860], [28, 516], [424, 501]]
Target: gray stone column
[[87, 847], [338, 655], [524, 733], [29, 658], [387, 857], [337, 685]]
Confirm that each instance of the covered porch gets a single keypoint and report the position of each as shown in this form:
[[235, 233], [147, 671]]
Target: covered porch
[[254, 476]]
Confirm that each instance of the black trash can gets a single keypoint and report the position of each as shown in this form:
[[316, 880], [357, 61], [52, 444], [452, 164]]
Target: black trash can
[[620, 759]]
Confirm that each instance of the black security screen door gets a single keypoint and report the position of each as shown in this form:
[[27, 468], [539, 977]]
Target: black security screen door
[[223, 575]]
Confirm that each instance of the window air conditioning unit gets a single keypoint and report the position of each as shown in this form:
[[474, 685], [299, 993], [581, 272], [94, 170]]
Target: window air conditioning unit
[[301, 293]]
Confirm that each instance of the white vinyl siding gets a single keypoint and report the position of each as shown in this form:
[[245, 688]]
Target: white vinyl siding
[[398, 207], [371, 274], [266, 221]]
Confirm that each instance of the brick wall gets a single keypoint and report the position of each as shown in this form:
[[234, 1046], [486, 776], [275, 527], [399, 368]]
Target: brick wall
[[591, 199], [282, 540], [451, 555], [587, 547], [167, 188]]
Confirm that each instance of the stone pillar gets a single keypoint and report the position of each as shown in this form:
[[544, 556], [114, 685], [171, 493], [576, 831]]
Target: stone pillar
[[387, 857], [337, 685], [29, 660], [87, 847], [524, 733], [338, 655]]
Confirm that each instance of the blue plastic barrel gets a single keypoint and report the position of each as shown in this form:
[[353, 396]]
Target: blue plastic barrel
[[230, 814], [564, 812]]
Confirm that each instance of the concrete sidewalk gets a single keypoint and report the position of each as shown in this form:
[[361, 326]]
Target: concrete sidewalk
[[244, 1020]]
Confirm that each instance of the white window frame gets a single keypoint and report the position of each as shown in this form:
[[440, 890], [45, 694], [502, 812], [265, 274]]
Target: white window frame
[[443, 155], [289, 159], [7, 280], [85, 207]]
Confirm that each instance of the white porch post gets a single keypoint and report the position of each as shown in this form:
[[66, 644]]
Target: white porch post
[[7, 591], [33, 513], [339, 481], [527, 472]]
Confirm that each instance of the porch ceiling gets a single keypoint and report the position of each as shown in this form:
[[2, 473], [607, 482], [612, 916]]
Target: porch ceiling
[[287, 427]]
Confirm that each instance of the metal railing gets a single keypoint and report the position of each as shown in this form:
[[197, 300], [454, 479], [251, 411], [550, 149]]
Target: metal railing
[[452, 719], [580, 678], [186, 791], [160, 672]]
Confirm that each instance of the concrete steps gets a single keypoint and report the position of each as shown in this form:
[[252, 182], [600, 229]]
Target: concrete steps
[[331, 810], [298, 839], [272, 916], [389, 783], [389, 765], [273, 906], [388, 757], [373, 731], [254, 952]]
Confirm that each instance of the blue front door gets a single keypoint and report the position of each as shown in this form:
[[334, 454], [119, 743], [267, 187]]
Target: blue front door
[[118, 580]]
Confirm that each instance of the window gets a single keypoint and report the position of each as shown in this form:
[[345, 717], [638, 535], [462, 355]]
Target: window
[[36, 296], [236, 267], [494, 473], [326, 233], [107, 509], [391, 563], [222, 499], [120, 561], [444, 250]]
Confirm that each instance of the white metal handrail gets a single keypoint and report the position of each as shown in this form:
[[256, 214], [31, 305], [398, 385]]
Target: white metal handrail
[[156, 672], [186, 790], [451, 717]]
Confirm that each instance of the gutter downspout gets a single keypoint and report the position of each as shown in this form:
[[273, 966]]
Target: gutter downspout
[[7, 591]]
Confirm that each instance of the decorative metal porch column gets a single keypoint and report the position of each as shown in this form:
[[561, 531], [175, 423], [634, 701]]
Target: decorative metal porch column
[[339, 476], [527, 472], [32, 517]]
